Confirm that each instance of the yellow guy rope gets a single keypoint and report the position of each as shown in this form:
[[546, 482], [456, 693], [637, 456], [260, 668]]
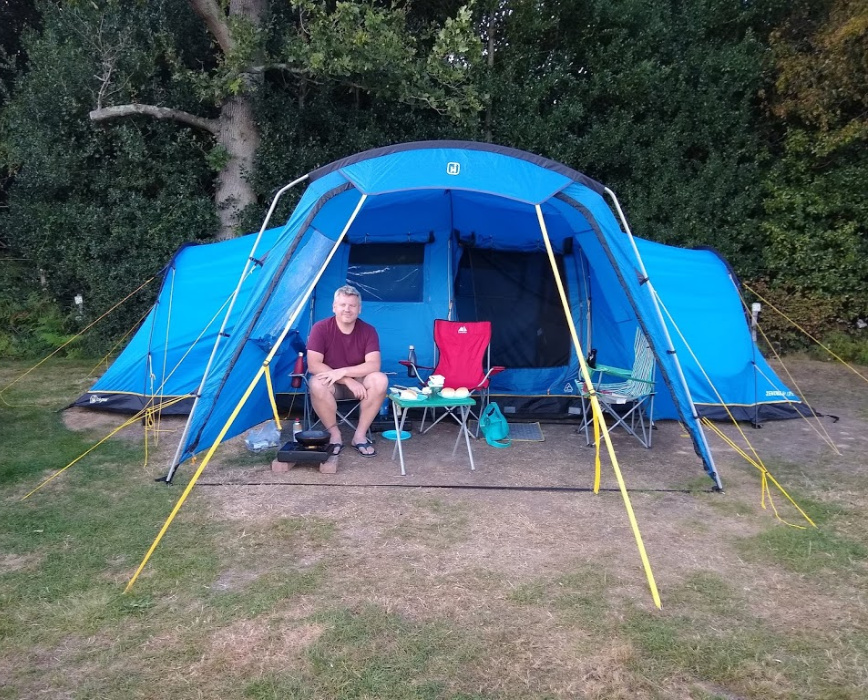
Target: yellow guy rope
[[756, 461], [271, 397], [196, 475], [243, 400], [155, 425], [75, 337], [819, 428], [828, 350], [598, 416], [129, 422], [766, 477]]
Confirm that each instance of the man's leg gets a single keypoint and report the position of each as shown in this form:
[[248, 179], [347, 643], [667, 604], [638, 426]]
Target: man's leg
[[322, 398], [376, 385]]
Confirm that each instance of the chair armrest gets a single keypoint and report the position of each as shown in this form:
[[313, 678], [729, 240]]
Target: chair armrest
[[615, 371], [497, 369], [484, 382]]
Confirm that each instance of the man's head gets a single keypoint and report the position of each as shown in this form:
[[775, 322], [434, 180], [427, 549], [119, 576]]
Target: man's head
[[347, 304]]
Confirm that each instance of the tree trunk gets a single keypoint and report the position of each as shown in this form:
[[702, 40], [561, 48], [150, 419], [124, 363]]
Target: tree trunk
[[239, 135], [238, 132]]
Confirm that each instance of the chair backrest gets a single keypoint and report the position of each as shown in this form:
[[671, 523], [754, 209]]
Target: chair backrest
[[643, 367], [462, 352]]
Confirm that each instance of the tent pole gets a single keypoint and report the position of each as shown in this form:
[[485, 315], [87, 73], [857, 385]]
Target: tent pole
[[173, 466], [671, 349]]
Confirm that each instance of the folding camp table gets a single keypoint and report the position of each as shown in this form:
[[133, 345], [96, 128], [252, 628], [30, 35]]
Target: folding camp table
[[459, 408]]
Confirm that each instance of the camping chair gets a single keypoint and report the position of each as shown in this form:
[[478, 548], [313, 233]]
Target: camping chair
[[629, 401], [344, 412], [464, 360]]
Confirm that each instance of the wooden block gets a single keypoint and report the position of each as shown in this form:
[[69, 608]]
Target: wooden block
[[330, 466], [280, 466]]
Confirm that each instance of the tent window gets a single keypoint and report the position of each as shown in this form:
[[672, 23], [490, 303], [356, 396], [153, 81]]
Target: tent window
[[387, 272], [517, 293]]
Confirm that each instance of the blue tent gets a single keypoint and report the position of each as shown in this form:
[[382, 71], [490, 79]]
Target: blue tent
[[458, 230]]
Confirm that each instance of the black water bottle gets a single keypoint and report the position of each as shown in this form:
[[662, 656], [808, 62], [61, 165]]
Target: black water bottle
[[411, 359]]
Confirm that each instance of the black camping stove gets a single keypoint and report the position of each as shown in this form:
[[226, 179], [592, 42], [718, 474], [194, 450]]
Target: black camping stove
[[293, 452]]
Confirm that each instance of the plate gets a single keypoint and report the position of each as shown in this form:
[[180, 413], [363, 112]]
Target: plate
[[419, 398], [392, 435]]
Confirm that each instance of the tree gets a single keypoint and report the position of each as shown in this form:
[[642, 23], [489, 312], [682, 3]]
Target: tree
[[817, 204], [15, 17], [360, 45], [100, 206], [657, 100], [99, 211]]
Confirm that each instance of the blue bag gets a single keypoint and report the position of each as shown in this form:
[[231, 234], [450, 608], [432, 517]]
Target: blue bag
[[494, 426]]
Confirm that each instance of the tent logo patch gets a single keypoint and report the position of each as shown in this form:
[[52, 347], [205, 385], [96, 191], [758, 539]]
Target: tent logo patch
[[568, 388], [453, 168], [462, 329], [97, 399]]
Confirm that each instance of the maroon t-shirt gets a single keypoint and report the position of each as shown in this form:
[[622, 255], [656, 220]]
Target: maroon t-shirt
[[340, 350]]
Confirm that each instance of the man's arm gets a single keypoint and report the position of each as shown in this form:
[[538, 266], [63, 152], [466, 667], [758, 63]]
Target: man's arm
[[319, 369]]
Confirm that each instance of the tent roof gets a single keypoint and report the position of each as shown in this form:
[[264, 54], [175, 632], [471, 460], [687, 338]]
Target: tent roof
[[508, 156]]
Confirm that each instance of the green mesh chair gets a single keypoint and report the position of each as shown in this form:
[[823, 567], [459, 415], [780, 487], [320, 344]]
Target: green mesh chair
[[629, 398]]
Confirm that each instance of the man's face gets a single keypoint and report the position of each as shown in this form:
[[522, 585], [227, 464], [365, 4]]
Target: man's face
[[347, 308]]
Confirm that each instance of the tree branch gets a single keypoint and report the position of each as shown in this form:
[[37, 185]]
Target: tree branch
[[215, 21], [106, 113]]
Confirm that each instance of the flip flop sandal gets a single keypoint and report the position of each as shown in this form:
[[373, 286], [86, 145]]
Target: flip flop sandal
[[359, 445]]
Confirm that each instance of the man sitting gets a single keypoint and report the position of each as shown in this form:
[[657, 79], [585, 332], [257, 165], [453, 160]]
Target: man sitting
[[343, 358]]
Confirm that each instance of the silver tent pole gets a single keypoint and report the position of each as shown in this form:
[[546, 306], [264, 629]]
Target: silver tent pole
[[173, 466], [671, 348]]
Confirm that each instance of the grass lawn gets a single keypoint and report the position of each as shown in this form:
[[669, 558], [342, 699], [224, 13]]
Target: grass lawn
[[312, 592]]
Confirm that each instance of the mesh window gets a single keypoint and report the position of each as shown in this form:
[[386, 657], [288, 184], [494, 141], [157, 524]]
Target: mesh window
[[517, 293], [387, 271]]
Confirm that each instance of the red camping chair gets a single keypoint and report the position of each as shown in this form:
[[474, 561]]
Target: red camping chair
[[463, 359]]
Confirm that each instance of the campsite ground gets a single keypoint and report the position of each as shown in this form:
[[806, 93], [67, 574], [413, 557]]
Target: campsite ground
[[514, 581]]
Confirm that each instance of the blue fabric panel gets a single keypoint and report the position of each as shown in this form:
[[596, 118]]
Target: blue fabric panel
[[456, 169], [176, 339], [241, 357], [402, 217], [709, 328], [399, 324]]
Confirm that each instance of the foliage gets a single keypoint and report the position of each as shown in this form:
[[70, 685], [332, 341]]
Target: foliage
[[850, 347], [369, 48], [103, 212], [736, 125], [816, 203], [821, 55], [106, 211], [656, 100], [790, 315], [31, 325]]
